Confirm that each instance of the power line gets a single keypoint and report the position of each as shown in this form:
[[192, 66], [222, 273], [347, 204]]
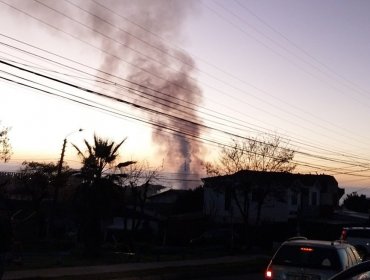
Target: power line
[[153, 112], [161, 113], [144, 70], [301, 163], [279, 54], [110, 82], [305, 52], [102, 80], [182, 61], [326, 158]]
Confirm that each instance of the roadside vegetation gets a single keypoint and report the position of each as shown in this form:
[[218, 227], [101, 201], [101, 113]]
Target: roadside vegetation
[[65, 217]]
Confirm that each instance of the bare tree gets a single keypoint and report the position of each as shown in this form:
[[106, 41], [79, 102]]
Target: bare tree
[[268, 154], [137, 184], [137, 181]]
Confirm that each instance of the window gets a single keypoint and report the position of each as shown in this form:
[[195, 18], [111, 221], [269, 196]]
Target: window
[[351, 257], [355, 253], [307, 256], [344, 257]]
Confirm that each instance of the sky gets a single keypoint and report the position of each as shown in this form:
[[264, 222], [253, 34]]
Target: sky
[[178, 79]]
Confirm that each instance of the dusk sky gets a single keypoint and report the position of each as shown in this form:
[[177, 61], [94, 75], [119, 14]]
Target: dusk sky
[[137, 69]]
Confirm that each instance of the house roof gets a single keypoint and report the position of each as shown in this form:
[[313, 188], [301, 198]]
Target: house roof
[[169, 192], [282, 178]]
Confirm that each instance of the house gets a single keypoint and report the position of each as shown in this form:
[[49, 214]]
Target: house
[[181, 213], [165, 201], [269, 197]]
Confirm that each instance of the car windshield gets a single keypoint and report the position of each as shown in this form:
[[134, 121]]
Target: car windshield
[[307, 256]]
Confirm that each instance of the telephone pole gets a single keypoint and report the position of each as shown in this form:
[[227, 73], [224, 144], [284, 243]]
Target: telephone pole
[[58, 181]]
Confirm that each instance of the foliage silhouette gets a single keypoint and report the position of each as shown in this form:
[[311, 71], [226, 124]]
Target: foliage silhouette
[[5, 146]]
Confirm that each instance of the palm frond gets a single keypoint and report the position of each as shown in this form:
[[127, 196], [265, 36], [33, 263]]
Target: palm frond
[[118, 146], [126, 163], [78, 151], [89, 148]]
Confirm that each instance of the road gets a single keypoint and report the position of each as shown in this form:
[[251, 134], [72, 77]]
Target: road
[[245, 276], [249, 276]]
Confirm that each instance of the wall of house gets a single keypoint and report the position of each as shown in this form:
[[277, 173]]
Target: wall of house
[[272, 211], [294, 203], [306, 195], [326, 199], [214, 204], [216, 209], [312, 208], [307, 203]]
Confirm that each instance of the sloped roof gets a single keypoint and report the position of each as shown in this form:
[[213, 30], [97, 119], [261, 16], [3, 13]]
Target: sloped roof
[[169, 192], [264, 177]]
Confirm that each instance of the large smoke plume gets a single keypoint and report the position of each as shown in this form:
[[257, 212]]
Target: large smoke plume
[[167, 70], [142, 52]]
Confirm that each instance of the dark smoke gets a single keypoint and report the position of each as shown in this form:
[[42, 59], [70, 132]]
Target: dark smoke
[[162, 72], [162, 67]]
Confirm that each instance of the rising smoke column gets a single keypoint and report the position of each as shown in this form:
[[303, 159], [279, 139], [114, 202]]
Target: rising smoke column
[[131, 33], [168, 72]]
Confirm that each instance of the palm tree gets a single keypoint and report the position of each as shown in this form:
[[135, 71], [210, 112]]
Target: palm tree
[[97, 157], [94, 195]]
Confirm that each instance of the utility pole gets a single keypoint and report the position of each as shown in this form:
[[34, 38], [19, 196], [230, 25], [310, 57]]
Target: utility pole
[[58, 183], [59, 172]]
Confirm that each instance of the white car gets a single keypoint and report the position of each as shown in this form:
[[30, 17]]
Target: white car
[[305, 259], [358, 237]]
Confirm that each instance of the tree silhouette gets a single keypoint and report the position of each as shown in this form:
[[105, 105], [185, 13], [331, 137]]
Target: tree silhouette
[[266, 154], [38, 181], [95, 193], [356, 202], [97, 157], [269, 154], [5, 147]]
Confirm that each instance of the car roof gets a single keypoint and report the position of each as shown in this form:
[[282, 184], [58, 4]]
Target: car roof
[[316, 243], [356, 228]]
